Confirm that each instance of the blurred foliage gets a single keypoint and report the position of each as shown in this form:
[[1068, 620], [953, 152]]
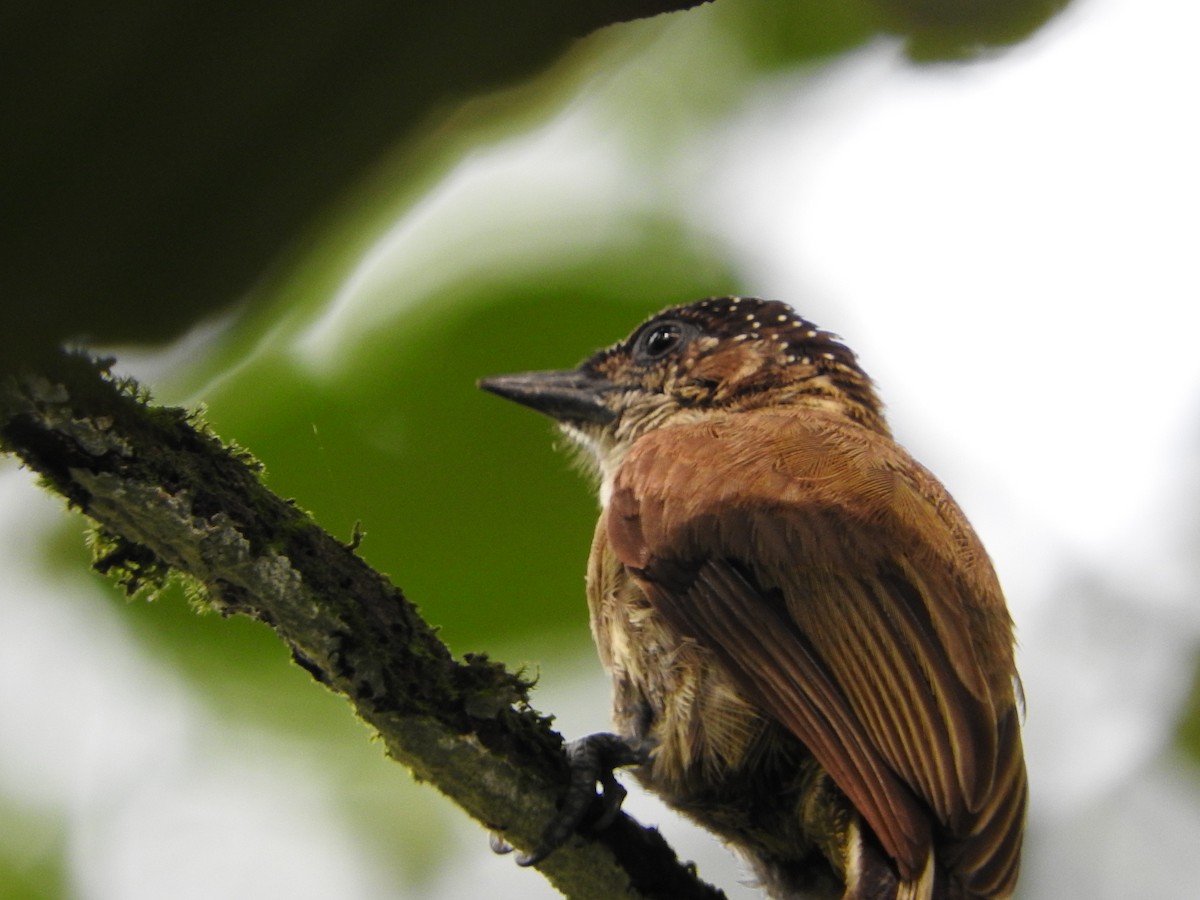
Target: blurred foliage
[[30, 860], [959, 29], [171, 161], [1188, 731], [158, 158]]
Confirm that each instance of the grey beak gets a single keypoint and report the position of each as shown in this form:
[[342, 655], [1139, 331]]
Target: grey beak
[[570, 395]]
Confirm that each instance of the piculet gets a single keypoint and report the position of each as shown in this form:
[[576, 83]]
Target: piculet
[[810, 652]]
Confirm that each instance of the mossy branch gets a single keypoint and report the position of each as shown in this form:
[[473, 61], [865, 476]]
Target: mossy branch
[[169, 497]]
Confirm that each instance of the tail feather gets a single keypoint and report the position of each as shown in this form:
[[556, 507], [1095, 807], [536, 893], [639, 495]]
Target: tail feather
[[980, 864], [922, 888], [986, 860]]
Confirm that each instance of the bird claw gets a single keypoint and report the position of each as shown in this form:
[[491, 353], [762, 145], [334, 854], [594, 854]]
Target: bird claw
[[592, 760], [498, 844]]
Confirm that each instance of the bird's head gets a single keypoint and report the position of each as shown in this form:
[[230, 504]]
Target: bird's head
[[714, 356]]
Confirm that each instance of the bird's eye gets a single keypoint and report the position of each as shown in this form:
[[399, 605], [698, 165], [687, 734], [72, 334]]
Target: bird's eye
[[660, 340]]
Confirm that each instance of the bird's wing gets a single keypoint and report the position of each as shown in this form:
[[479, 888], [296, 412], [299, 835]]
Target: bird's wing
[[845, 593]]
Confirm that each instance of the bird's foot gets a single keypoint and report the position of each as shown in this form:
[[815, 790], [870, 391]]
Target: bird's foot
[[592, 760]]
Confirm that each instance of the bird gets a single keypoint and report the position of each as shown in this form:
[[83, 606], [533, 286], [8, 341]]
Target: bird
[[810, 651]]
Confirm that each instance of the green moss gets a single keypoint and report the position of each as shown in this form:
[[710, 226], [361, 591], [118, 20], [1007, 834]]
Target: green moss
[[1187, 733], [131, 566]]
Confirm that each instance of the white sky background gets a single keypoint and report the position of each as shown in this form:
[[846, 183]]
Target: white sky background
[[1011, 248]]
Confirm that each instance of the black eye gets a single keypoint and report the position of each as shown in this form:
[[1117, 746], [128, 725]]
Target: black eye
[[659, 340]]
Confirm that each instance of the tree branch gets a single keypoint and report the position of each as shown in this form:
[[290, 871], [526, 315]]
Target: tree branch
[[169, 497]]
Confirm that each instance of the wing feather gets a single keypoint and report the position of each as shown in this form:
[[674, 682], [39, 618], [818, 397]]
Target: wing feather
[[844, 592], [793, 684]]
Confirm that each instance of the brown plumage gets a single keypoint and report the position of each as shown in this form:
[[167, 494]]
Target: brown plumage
[[798, 619]]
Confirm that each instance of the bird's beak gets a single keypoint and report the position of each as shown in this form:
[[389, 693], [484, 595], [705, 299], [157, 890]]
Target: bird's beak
[[571, 396]]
